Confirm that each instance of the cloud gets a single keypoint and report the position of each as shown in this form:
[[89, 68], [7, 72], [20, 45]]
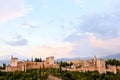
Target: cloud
[[11, 9], [109, 44], [90, 45], [57, 51], [20, 42], [96, 34], [17, 41], [29, 25], [38, 51], [104, 26]]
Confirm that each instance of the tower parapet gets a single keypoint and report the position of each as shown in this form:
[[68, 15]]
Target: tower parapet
[[50, 60], [101, 66], [94, 60], [14, 61]]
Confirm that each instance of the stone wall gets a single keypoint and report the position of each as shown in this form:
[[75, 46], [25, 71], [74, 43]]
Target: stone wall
[[89, 65], [111, 68], [101, 66], [14, 61], [50, 60], [25, 65]]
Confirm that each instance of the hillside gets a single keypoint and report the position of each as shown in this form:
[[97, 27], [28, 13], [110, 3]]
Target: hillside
[[113, 56]]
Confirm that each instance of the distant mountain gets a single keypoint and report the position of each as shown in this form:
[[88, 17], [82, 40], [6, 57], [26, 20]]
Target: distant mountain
[[6, 58], [66, 59], [4, 61], [113, 56]]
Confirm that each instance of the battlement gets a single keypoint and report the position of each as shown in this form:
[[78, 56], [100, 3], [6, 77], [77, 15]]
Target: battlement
[[14, 61], [50, 60], [25, 65]]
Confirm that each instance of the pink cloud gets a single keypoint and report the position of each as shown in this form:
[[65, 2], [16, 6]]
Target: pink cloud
[[10, 9]]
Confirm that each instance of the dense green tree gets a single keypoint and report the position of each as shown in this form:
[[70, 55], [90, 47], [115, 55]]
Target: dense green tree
[[38, 60], [65, 75], [65, 64], [3, 66], [113, 62]]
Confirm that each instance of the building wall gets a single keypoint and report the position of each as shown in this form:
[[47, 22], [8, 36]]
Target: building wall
[[25, 65], [111, 68], [37, 65], [89, 65], [13, 68], [101, 66], [14, 61], [50, 60], [78, 65]]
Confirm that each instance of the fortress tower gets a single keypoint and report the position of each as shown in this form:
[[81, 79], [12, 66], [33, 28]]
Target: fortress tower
[[24, 66], [50, 60], [94, 60], [101, 66], [14, 61]]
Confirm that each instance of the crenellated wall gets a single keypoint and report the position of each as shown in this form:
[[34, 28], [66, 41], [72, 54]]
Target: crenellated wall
[[25, 65]]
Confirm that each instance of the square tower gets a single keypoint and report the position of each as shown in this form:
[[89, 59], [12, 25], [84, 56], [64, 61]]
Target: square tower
[[50, 60], [14, 61], [101, 66]]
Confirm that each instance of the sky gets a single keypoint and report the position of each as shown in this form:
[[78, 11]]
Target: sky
[[60, 28]]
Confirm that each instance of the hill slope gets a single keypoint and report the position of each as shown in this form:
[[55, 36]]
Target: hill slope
[[113, 56]]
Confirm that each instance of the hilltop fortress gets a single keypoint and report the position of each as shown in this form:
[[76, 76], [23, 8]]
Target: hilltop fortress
[[93, 64], [25, 65]]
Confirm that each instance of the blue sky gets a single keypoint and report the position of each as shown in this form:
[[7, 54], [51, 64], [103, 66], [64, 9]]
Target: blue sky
[[60, 28]]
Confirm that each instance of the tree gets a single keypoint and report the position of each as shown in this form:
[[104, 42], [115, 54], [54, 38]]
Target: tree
[[40, 60], [113, 62], [36, 59], [65, 64], [4, 65]]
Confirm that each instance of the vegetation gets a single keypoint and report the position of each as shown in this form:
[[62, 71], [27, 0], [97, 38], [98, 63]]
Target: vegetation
[[113, 62], [35, 74], [3, 66], [65, 64], [38, 74], [42, 74], [38, 59]]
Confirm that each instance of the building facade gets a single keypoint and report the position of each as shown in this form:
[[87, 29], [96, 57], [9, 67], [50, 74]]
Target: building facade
[[92, 65], [26, 65]]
